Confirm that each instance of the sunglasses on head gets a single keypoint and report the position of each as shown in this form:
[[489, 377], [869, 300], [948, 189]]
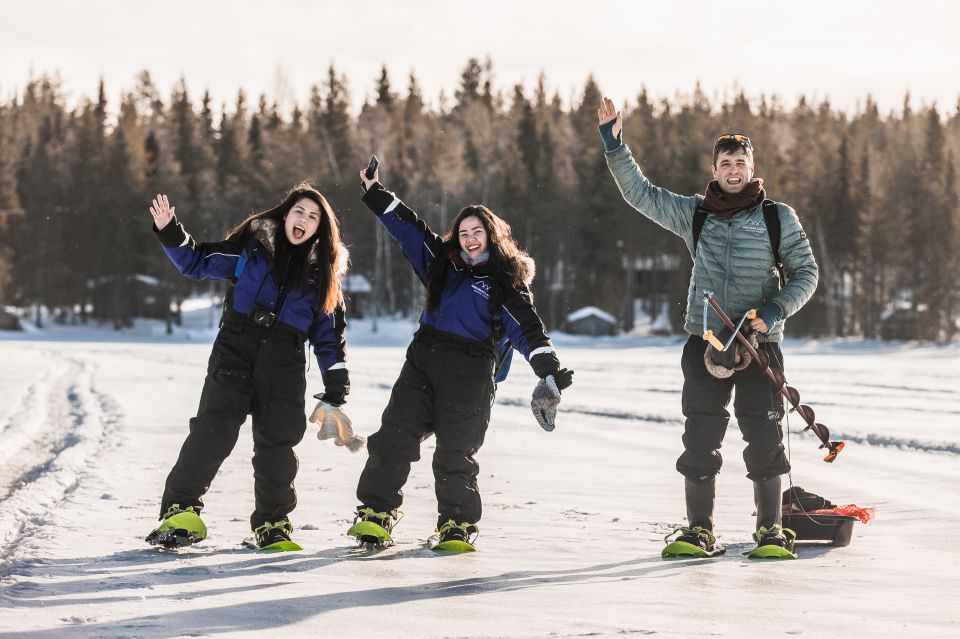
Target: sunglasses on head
[[733, 137]]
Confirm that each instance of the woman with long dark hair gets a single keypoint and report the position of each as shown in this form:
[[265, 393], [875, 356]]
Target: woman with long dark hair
[[285, 265], [477, 300]]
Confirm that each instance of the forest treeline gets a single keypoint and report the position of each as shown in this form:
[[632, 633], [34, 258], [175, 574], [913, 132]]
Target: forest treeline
[[877, 192]]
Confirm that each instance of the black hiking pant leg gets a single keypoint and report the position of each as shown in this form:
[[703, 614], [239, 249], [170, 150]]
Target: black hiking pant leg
[[463, 398], [705, 399], [758, 406], [279, 423], [396, 445], [225, 401]]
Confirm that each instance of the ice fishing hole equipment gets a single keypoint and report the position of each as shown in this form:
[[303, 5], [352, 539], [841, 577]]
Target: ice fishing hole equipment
[[714, 341], [775, 374]]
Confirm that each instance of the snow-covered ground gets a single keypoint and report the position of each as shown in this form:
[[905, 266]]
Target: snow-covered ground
[[91, 421]]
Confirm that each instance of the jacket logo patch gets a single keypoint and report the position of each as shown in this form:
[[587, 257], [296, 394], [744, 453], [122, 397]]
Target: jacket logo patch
[[481, 288], [755, 227]]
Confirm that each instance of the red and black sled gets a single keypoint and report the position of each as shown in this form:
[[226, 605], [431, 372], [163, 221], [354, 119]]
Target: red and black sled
[[815, 520]]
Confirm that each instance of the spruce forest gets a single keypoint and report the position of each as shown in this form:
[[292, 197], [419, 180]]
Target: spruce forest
[[877, 192]]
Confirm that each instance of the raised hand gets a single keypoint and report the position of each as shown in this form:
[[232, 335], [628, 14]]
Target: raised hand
[[161, 211], [368, 182], [607, 112]]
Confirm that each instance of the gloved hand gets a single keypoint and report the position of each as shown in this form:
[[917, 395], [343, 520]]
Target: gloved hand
[[735, 357], [546, 397], [334, 424], [769, 314]]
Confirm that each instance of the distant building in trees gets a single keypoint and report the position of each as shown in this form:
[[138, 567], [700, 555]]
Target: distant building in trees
[[358, 291], [591, 320]]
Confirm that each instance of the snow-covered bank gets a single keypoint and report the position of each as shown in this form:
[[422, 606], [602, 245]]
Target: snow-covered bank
[[573, 520]]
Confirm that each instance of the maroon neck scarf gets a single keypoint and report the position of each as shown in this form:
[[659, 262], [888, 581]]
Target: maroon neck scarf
[[726, 205]]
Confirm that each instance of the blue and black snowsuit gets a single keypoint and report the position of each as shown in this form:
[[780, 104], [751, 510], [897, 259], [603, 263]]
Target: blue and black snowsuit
[[257, 368], [446, 385]]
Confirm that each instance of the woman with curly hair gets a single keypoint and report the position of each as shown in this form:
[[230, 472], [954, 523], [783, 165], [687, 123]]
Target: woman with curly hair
[[477, 300], [285, 266]]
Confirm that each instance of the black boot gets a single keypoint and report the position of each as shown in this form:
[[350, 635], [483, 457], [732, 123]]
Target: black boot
[[700, 496], [767, 497], [696, 540]]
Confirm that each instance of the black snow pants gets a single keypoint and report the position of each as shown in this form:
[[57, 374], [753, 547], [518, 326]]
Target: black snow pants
[[252, 371], [757, 405], [445, 388]]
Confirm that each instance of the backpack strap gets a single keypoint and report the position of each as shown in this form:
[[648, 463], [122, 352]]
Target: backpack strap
[[699, 217], [771, 217]]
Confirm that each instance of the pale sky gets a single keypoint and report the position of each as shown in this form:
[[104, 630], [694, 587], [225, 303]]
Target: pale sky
[[841, 49]]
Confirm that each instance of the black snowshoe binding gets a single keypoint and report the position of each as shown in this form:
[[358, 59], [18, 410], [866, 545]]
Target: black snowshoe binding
[[373, 528], [692, 542]]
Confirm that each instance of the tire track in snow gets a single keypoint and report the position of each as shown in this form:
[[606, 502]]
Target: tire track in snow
[[872, 439], [29, 430], [69, 422], [593, 412]]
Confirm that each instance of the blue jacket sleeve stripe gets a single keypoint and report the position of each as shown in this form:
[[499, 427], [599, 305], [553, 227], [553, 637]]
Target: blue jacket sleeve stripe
[[328, 336], [417, 241], [522, 323], [207, 260], [411, 241]]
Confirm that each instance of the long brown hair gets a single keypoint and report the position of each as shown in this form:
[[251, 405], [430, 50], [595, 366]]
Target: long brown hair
[[509, 264], [292, 263]]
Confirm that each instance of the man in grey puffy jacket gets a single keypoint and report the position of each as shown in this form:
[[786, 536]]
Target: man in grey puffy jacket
[[733, 260]]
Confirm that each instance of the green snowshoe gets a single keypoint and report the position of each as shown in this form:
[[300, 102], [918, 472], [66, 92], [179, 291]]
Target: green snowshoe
[[692, 542], [273, 537], [373, 528], [775, 542], [454, 537], [180, 527]]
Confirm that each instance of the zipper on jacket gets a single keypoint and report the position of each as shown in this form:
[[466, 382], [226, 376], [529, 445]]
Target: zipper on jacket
[[726, 263]]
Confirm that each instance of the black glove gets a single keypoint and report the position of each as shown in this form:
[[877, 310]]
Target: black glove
[[564, 378], [336, 387], [544, 364]]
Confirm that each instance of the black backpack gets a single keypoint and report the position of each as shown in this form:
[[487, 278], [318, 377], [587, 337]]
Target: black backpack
[[771, 216]]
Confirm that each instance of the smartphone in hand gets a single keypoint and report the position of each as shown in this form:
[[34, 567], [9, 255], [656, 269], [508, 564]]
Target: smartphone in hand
[[372, 167], [370, 171]]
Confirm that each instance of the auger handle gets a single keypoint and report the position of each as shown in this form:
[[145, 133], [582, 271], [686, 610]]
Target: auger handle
[[716, 343]]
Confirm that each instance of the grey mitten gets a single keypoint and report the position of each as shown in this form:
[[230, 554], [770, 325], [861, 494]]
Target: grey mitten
[[546, 398], [334, 424], [723, 364]]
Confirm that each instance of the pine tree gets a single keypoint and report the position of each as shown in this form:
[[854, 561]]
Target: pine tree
[[9, 207]]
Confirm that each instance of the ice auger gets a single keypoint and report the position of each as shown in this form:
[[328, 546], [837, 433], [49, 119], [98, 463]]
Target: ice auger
[[775, 374]]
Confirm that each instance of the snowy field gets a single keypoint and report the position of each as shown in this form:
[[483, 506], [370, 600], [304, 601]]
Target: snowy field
[[574, 520]]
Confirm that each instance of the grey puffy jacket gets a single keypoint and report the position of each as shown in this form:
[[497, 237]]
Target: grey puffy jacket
[[734, 259]]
